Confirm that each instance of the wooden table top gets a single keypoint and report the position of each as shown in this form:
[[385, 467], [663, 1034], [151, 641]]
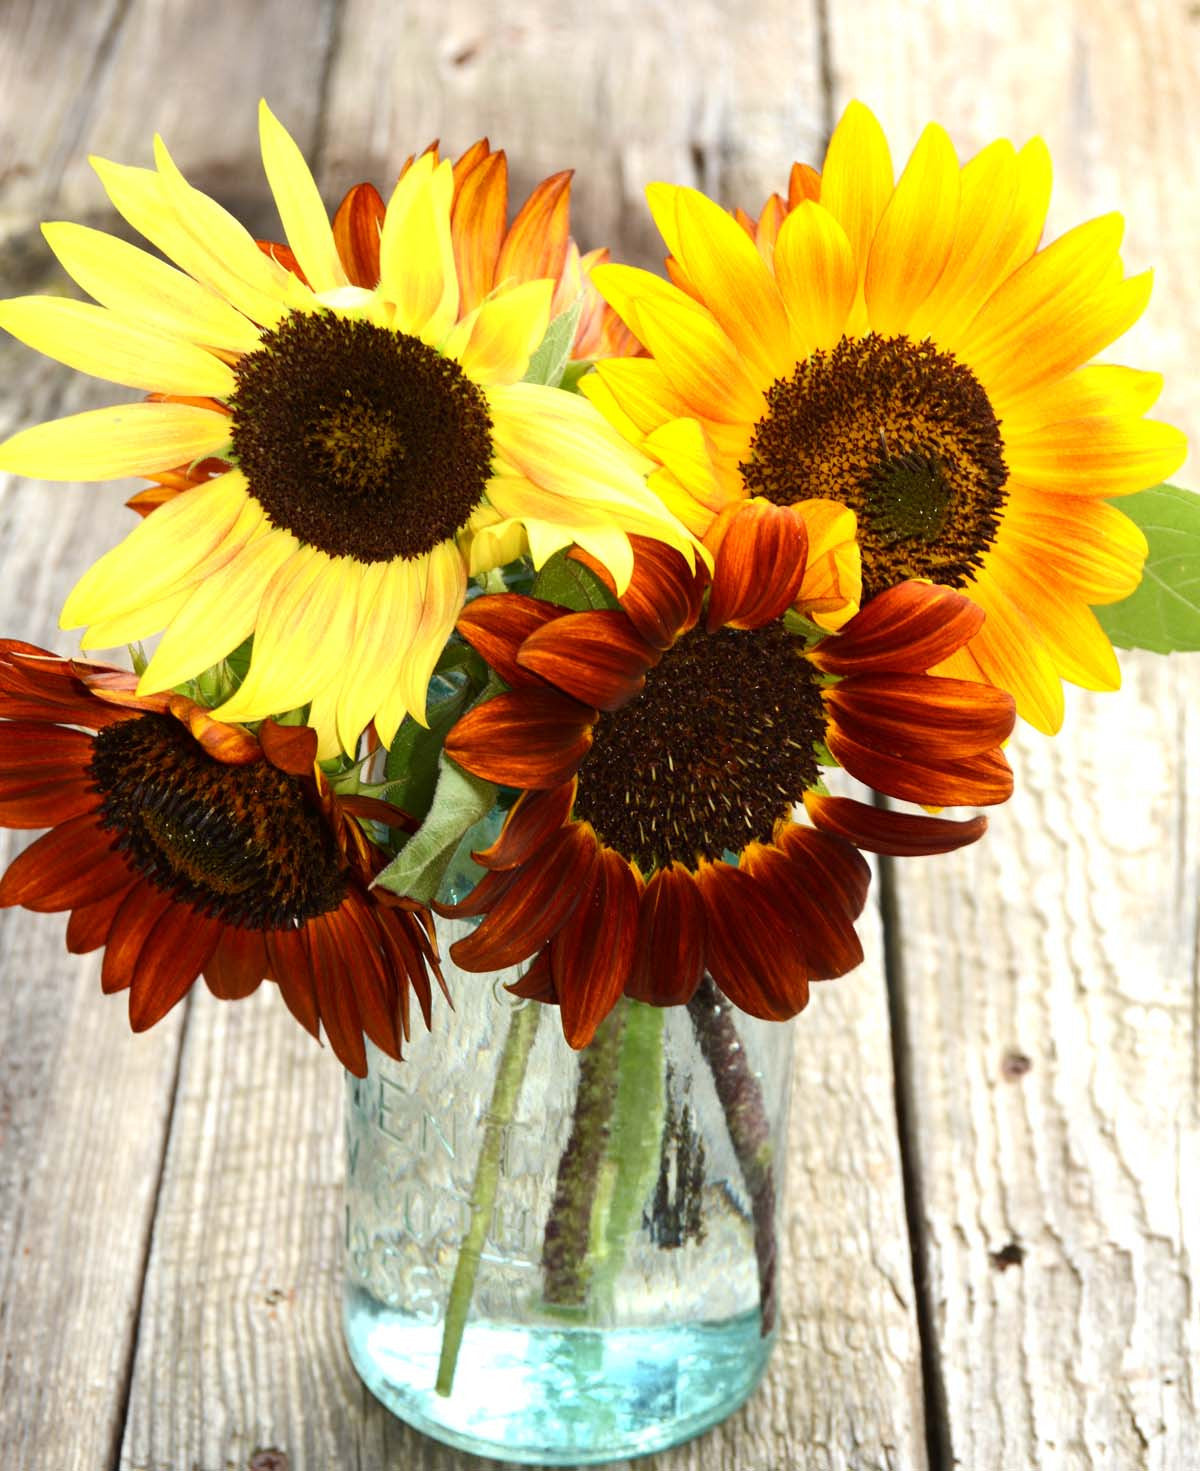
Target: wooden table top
[[994, 1201]]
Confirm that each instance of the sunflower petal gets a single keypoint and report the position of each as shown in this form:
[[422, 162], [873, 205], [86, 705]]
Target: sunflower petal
[[895, 834], [106, 444], [298, 200], [751, 950], [669, 961], [598, 658], [592, 953], [533, 738], [760, 565], [818, 276], [497, 625], [907, 628]]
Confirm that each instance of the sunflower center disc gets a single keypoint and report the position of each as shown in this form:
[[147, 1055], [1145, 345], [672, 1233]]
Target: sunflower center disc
[[242, 843], [710, 755], [362, 442], [902, 434]]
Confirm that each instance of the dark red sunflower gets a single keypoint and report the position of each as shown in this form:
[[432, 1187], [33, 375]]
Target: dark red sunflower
[[662, 747], [184, 846]]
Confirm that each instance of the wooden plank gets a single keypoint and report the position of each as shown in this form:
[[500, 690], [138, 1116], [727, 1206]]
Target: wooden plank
[[240, 1346], [1049, 974], [83, 1103]]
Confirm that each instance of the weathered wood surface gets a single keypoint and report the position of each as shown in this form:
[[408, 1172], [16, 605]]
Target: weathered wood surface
[[169, 1214]]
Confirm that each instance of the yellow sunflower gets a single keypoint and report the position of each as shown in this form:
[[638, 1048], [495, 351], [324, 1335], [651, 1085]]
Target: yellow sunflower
[[375, 445], [905, 349]]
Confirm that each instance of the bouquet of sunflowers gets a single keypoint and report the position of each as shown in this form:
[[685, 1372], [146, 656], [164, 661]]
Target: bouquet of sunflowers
[[459, 542]]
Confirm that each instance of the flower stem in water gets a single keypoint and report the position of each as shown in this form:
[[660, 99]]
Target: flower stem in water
[[745, 1112], [510, 1074]]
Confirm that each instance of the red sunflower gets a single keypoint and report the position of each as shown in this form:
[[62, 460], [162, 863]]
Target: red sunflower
[[184, 846], [658, 741]]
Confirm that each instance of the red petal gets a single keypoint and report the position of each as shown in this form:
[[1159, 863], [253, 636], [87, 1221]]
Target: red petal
[[335, 990], [535, 906], [375, 810], [229, 744], [800, 894], [536, 243], [598, 658], [845, 875], [375, 984], [88, 927], [664, 594], [292, 748], [669, 962], [591, 956], [25, 746], [30, 803], [238, 966], [530, 738], [175, 952], [486, 894], [760, 566], [291, 970], [922, 717], [533, 821], [356, 230], [907, 629], [142, 908], [896, 834], [752, 951], [975, 781], [72, 865], [496, 626], [537, 984], [284, 254]]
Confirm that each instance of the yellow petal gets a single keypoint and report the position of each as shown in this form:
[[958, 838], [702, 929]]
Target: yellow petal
[[856, 179], [832, 587], [370, 659], [142, 197], [640, 394], [1089, 545], [914, 235], [219, 614], [818, 276], [164, 552], [681, 447], [1102, 456], [1032, 306], [1103, 389], [132, 624], [298, 200], [443, 596], [104, 444], [504, 332], [94, 340], [1066, 627], [304, 626], [416, 253], [1010, 656], [696, 356], [145, 289], [727, 274]]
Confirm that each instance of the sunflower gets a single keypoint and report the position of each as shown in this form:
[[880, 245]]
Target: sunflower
[[376, 445], [185, 846], [655, 742], [906, 350]]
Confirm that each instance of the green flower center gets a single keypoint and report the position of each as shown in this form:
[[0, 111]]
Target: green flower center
[[244, 843], [902, 434], [363, 442], [717, 747]]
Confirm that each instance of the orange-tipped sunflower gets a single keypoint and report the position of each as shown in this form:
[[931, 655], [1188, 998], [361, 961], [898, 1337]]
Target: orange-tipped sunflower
[[491, 253], [184, 846], [905, 349], [654, 742], [376, 443]]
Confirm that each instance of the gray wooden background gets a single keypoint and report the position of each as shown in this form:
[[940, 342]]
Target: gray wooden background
[[994, 1195]]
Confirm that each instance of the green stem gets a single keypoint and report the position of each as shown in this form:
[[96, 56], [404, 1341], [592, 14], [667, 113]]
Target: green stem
[[510, 1074], [567, 1257], [745, 1110]]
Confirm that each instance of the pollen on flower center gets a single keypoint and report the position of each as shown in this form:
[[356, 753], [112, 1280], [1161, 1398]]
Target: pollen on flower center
[[906, 437], [242, 843], [360, 441], [717, 747]]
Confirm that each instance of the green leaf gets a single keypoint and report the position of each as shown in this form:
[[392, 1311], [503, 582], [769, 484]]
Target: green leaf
[[549, 360], [459, 802], [570, 584], [1163, 615], [411, 768]]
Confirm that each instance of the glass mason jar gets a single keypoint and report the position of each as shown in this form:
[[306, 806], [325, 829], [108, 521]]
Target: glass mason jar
[[579, 1247]]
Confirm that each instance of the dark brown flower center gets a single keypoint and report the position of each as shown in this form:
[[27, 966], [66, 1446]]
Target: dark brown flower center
[[715, 750], [362, 442], [243, 843], [902, 434]]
